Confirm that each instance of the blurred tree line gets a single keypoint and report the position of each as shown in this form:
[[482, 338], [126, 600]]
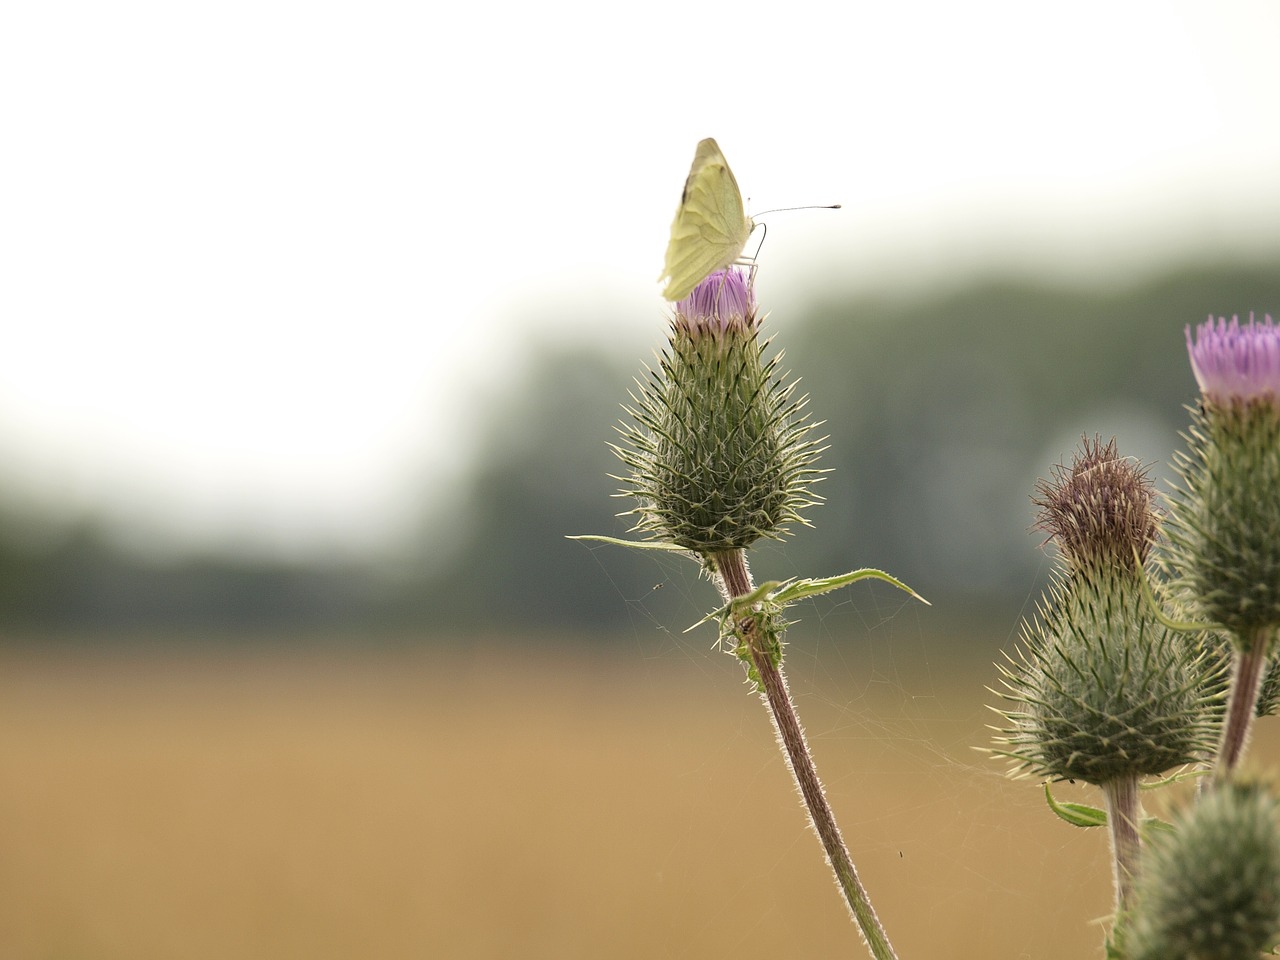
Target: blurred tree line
[[942, 409]]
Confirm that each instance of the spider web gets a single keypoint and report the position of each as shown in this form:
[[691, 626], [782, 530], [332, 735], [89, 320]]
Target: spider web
[[896, 708]]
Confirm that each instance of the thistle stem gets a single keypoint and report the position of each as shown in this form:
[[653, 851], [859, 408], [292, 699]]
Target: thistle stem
[[1121, 797], [734, 580], [1248, 669]]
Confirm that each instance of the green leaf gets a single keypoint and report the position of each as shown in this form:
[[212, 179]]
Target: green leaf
[[1076, 814], [799, 589], [783, 592], [1177, 626], [638, 544], [761, 594], [1174, 778], [1153, 825], [743, 603]]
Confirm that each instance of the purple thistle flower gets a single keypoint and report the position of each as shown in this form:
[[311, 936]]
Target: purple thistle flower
[[719, 451], [722, 301], [1224, 534], [1234, 362]]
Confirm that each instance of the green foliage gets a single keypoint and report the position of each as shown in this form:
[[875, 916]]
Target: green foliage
[[944, 407], [942, 404]]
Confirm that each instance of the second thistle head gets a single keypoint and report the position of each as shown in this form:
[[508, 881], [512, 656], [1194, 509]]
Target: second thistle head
[[1101, 691]]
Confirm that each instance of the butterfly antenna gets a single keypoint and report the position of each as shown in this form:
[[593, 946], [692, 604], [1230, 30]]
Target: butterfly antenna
[[764, 232], [824, 206], [764, 227]]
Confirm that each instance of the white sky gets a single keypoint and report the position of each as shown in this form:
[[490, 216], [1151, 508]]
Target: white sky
[[247, 248]]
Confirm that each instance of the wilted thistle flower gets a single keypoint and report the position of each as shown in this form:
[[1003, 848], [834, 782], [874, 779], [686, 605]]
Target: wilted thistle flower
[[1210, 889], [1101, 512], [719, 447], [1225, 529], [1101, 691]]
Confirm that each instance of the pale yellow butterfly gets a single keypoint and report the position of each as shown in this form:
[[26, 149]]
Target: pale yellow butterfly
[[710, 229]]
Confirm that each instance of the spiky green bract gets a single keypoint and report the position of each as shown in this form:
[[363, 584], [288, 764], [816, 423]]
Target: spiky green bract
[[1269, 693], [1210, 888], [1224, 527], [719, 446], [1100, 690], [1219, 648]]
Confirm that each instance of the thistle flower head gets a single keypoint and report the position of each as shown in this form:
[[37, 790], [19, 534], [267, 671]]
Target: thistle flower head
[[1235, 362], [719, 447], [724, 300], [1210, 889], [1101, 510], [1100, 690], [1224, 528]]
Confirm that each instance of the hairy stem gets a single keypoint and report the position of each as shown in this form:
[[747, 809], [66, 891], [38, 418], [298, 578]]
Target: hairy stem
[[1247, 670], [1122, 817], [734, 580]]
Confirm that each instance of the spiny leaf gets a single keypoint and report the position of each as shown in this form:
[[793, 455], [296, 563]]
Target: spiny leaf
[[784, 592], [637, 544], [799, 589], [1076, 814]]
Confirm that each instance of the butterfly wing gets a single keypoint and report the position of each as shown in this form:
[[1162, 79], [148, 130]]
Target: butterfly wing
[[710, 228]]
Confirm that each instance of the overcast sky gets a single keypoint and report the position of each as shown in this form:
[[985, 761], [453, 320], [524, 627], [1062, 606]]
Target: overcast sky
[[247, 248]]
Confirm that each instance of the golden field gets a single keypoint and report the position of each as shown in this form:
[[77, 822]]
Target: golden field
[[509, 803]]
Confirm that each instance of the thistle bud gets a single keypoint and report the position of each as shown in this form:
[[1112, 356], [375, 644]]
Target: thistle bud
[[1225, 529], [1101, 691], [1210, 888], [719, 448]]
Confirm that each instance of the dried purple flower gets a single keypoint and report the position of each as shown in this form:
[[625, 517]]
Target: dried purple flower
[[1101, 510]]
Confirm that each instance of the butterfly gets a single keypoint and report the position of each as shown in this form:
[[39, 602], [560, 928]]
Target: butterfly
[[710, 228]]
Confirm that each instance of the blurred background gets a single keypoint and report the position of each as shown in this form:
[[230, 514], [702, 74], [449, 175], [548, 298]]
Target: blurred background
[[316, 325]]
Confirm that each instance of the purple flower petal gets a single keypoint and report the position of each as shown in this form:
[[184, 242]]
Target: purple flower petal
[[1235, 361], [725, 298]]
